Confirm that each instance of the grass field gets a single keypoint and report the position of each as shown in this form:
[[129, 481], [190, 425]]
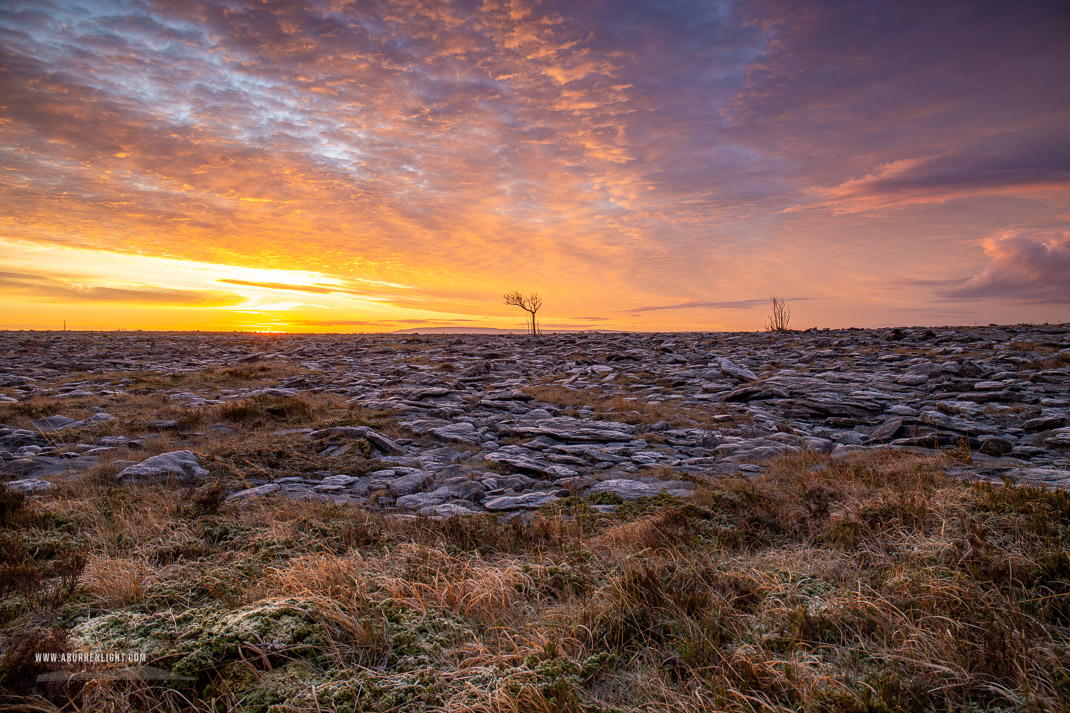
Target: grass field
[[869, 583]]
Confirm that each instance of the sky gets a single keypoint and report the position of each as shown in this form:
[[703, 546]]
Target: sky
[[663, 165]]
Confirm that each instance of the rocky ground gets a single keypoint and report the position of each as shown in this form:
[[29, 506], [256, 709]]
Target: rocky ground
[[442, 425], [580, 523]]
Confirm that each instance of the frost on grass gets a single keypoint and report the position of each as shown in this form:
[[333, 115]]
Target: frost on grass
[[867, 583]]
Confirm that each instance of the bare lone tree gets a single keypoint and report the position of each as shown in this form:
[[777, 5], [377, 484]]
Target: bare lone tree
[[779, 316], [530, 304]]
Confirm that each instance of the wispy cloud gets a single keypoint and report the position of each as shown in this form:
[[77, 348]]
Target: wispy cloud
[[68, 288], [1041, 167], [336, 323], [910, 282], [713, 304], [315, 289]]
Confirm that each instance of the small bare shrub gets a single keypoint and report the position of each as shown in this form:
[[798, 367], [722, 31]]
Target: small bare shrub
[[779, 316]]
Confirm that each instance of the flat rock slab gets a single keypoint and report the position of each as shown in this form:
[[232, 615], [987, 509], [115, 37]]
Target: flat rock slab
[[400, 481], [179, 465], [450, 509], [378, 440], [458, 432], [29, 486], [528, 465], [574, 429], [51, 424], [1042, 476], [54, 423], [47, 466], [730, 368], [635, 489], [528, 501], [259, 491], [1060, 438]]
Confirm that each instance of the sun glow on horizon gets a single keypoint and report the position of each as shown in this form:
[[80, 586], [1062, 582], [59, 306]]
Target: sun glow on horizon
[[231, 293]]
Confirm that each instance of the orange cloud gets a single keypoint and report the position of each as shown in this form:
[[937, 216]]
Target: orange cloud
[[425, 157], [67, 289], [1026, 265]]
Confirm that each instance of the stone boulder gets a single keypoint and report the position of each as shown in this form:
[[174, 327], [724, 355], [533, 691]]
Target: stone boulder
[[176, 465]]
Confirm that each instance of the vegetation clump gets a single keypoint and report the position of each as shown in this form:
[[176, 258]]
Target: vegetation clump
[[866, 583]]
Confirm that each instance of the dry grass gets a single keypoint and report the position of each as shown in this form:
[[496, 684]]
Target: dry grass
[[137, 401], [114, 582], [871, 583], [619, 406]]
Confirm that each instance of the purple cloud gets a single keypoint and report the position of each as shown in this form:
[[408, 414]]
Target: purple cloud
[[1025, 265]]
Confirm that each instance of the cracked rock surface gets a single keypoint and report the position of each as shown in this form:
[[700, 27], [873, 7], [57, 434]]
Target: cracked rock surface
[[507, 424]]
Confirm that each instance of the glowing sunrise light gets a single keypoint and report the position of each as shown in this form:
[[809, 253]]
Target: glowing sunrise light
[[644, 166]]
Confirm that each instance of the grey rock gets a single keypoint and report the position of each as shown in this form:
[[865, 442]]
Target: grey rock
[[41, 466], [1044, 423], [418, 501], [574, 429], [259, 491], [162, 424], [541, 443], [1059, 438], [514, 482], [408, 484], [732, 369], [529, 465], [452, 508], [30, 486], [995, 446], [340, 480], [527, 501], [1042, 476], [463, 489], [55, 423], [887, 430], [460, 432], [378, 440], [180, 465], [635, 489], [113, 441]]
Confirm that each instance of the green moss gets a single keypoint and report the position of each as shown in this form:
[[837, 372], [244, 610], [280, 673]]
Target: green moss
[[559, 681], [647, 505], [211, 642], [197, 641], [418, 639], [606, 498], [299, 686], [564, 580], [46, 545]]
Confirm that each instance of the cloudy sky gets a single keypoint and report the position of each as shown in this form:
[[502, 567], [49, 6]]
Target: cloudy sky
[[658, 165]]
